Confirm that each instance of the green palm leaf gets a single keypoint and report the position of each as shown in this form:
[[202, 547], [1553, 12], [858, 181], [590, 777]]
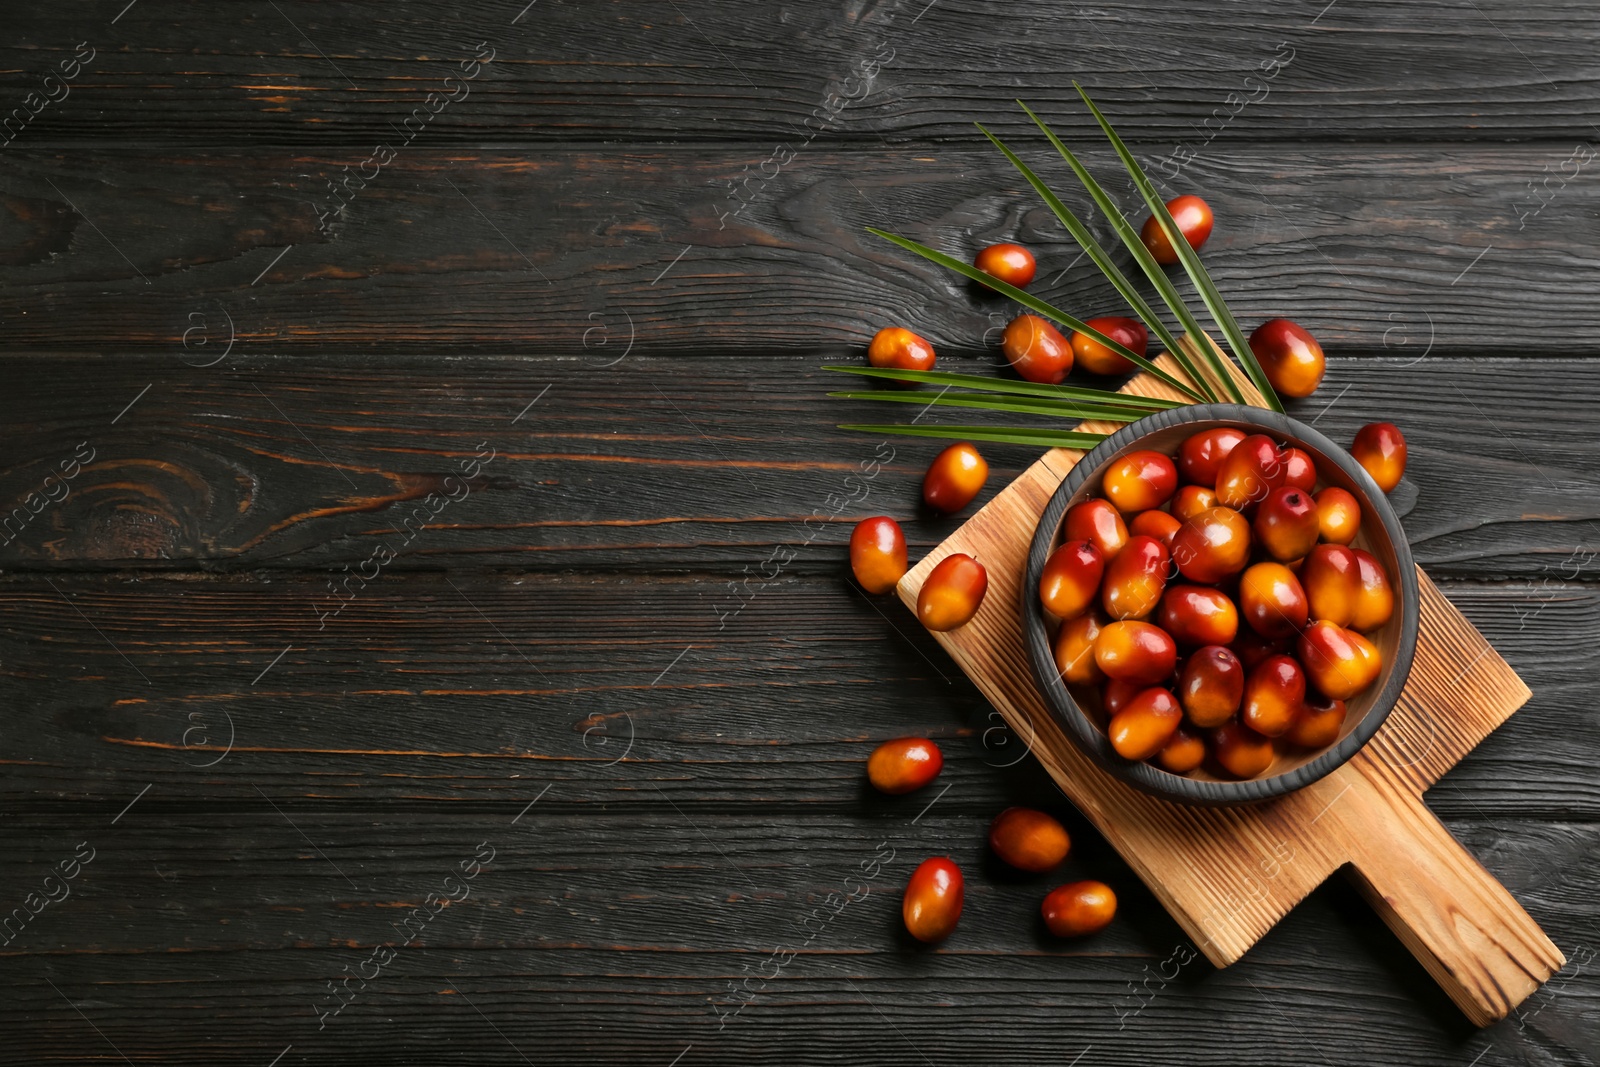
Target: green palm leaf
[[1020, 435], [983, 383]]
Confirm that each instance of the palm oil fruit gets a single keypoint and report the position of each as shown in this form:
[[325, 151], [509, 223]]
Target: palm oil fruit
[[1011, 263], [1252, 469], [1183, 753], [1252, 648], [1212, 545], [1139, 481], [1145, 725], [933, 899], [1117, 694], [952, 593], [1289, 356], [1319, 722], [1198, 615], [1338, 515], [1240, 751], [1155, 523], [1078, 908], [1096, 358], [1299, 469], [1273, 695], [1201, 454], [1135, 651], [1194, 220], [1071, 579], [904, 764], [1097, 522], [1211, 687], [1374, 596], [1191, 500], [1135, 580], [899, 349], [1288, 523], [1331, 577], [1339, 662], [1381, 449], [878, 554], [1074, 649], [955, 476], [1272, 601], [1036, 350], [1029, 840]]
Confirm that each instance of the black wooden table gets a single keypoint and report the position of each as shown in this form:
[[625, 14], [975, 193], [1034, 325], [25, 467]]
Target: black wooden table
[[425, 624]]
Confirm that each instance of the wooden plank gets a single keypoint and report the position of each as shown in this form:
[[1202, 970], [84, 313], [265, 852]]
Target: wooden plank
[[1402, 251], [203, 75]]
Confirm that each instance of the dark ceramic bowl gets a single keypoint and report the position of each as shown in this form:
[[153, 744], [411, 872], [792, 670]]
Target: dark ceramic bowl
[[1380, 534]]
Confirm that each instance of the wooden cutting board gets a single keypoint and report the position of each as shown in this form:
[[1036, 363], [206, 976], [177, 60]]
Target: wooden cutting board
[[1228, 875]]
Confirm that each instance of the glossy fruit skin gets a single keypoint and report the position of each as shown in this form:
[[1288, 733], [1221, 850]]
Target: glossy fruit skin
[[1339, 662], [1252, 648], [1145, 725], [1212, 545], [1079, 908], [1135, 580], [1139, 481], [1194, 219], [1338, 515], [1198, 615], [878, 553], [1273, 696], [900, 349], [1036, 350], [1318, 724], [1029, 840], [1071, 579], [1299, 469], [1154, 523], [1191, 500], [1249, 472], [1096, 358], [1272, 601], [1183, 753], [1380, 447], [1211, 687], [1135, 652], [952, 592], [1118, 694], [1374, 596], [955, 476], [1201, 454], [933, 899], [1289, 356], [904, 764], [1331, 577], [1241, 751], [1096, 521], [1009, 262], [1287, 523], [1074, 649]]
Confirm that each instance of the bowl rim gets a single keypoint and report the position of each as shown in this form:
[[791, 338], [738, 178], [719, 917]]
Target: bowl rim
[[1077, 725]]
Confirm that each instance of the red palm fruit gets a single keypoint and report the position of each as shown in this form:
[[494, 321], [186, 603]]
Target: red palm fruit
[[1339, 662], [1252, 648], [1272, 601], [878, 553], [1331, 577], [1029, 840], [1338, 515], [1198, 615], [1194, 220], [898, 348], [1074, 649], [1155, 523], [1201, 454], [1183, 753], [1117, 693], [955, 476], [933, 899], [1096, 521], [1381, 449], [1212, 545], [952, 592], [1287, 523], [1145, 725], [1139, 481], [1135, 652], [1374, 602], [1010, 263], [1191, 500], [1211, 686], [1299, 469], [904, 764], [1319, 722], [1071, 579], [1078, 908], [1136, 579], [1241, 751], [1036, 350], [1096, 358], [1289, 356], [1249, 472], [1273, 695]]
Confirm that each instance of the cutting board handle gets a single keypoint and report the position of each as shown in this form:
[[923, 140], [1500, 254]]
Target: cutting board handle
[[1462, 924]]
